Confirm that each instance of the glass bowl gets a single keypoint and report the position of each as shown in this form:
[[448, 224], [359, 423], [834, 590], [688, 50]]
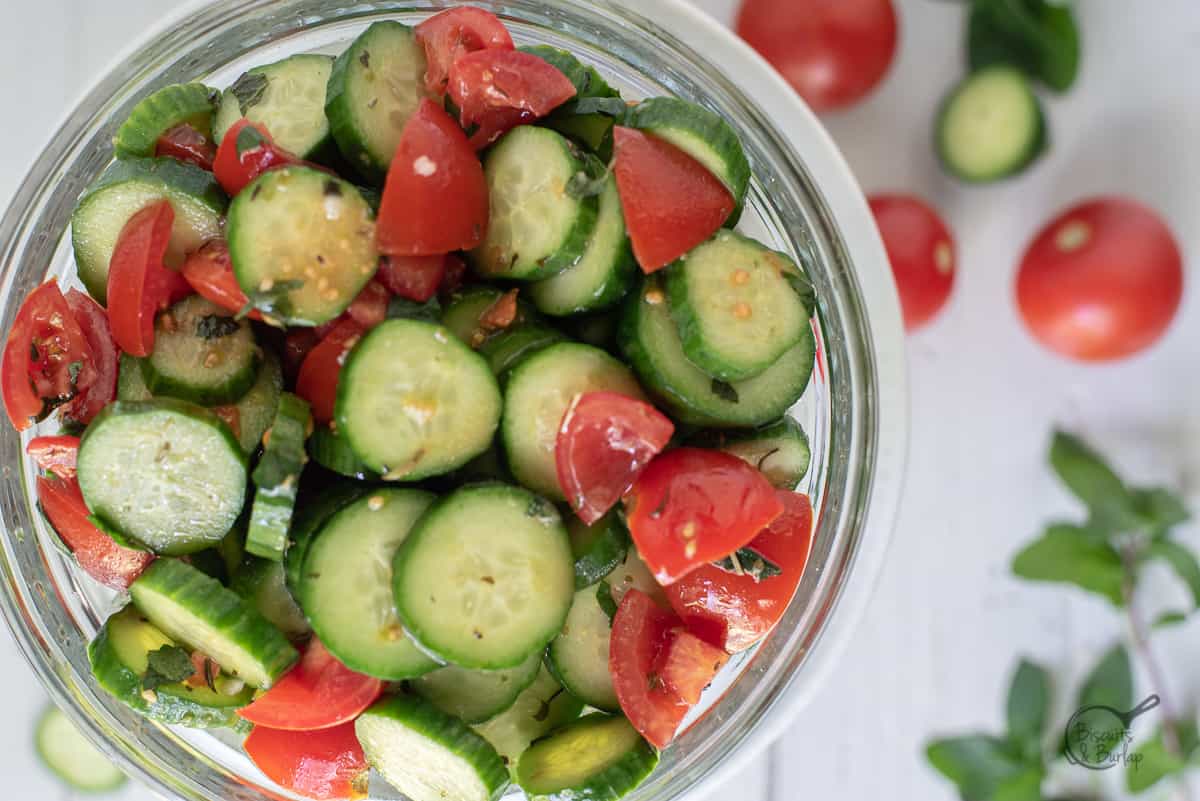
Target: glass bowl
[[803, 200]]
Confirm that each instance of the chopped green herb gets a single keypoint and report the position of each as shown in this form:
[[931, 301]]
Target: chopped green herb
[[249, 90], [168, 665]]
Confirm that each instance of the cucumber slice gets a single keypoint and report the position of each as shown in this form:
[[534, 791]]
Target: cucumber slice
[[428, 755], [991, 126], [197, 611], [543, 707], [594, 130], [578, 657], [329, 449], [485, 578], [632, 574], [287, 97], [474, 696], [605, 273], [539, 226], [598, 548], [201, 354], [780, 451], [650, 340], [72, 757], [311, 514], [510, 346], [354, 549], [302, 244], [463, 315], [734, 305], [536, 396], [126, 188], [130, 384], [375, 86], [587, 80], [119, 656], [262, 584], [164, 473], [595, 757], [153, 116], [277, 478], [414, 402], [703, 135]]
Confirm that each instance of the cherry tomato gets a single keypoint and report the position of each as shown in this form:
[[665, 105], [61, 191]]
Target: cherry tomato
[[1101, 281], [185, 143], [435, 199], [833, 52], [44, 357], [318, 377], [691, 506], [499, 89], [209, 271], [139, 284], [317, 764], [246, 152], [415, 278], [97, 382], [318, 693], [640, 632], [56, 454], [369, 308], [672, 203], [604, 441], [687, 665], [455, 274], [921, 251], [734, 611], [454, 33], [97, 553], [298, 343]]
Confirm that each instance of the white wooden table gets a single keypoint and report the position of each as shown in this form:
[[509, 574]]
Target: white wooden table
[[934, 652]]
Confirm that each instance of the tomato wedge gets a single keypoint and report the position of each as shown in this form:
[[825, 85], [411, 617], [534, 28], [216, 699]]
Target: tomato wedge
[[44, 357], [318, 764], [319, 693], [246, 152], [209, 271], [415, 278], [139, 284], [691, 506], [97, 382], [672, 203], [688, 665], [498, 89], [454, 33], [318, 377], [640, 633], [604, 441], [97, 553], [56, 454], [185, 143], [921, 251], [734, 612], [369, 308]]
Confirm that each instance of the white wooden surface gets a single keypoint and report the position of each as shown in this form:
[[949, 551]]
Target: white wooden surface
[[934, 652]]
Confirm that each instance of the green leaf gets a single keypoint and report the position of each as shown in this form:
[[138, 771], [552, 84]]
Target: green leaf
[[978, 764], [249, 138], [1035, 36], [1182, 561], [1150, 762], [1024, 786], [1090, 478], [1159, 508], [1068, 554], [804, 288], [216, 326], [1110, 683], [249, 90], [1168, 619], [749, 562], [1028, 698], [430, 310], [168, 665], [605, 599]]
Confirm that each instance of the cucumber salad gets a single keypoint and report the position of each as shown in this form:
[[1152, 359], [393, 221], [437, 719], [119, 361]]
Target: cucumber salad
[[430, 412]]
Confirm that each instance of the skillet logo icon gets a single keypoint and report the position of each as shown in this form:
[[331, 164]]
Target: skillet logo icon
[[1098, 737]]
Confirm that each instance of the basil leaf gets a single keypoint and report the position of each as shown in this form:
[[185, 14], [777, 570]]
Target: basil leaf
[[1028, 698], [403, 308], [1069, 554], [978, 764], [249, 90], [749, 562], [724, 390], [1091, 480], [168, 665], [1037, 37], [605, 599], [1182, 561]]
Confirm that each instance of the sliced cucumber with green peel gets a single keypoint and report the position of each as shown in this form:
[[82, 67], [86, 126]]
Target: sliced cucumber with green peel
[[991, 126], [543, 707], [536, 396], [506, 348], [354, 549], [130, 384], [330, 450], [164, 473], [375, 86], [475, 696], [261, 582], [287, 97], [598, 548], [277, 478], [178, 104], [463, 315], [592, 129], [780, 451], [202, 354], [585, 78], [538, 227], [733, 302], [125, 188], [193, 609], [596, 757], [256, 409], [413, 401], [311, 513], [302, 244], [72, 757], [651, 342], [428, 755], [578, 656], [632, 574], [486, 576], [598, 329]]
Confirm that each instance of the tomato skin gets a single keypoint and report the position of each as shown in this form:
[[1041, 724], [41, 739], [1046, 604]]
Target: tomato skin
[[454, 275], [318, 377], [672, 203], [687, 665], [209, 271], [452, 34], [185, 143], [435, 199], [318, 693], [139, 284], [236, 167], [640, 632], [97, 383], [921, 250], [604, 441], [317, 764], [691, 506], [833, 52], [55, 454], [414, 278], [500, 89], [734, 612], [1102, 281], [369, 308]]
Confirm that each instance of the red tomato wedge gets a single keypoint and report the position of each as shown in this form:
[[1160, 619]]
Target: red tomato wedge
[[298, 343], [44, 356], [369, 308], [640, 632], [318, 377], [185, 143], [246, 152], [688, 664], [734, 611], [672, 203], [452, 34], [319, 693], [414, 278], [833, 52], [209, 271], [317, 764], [1102, 281], [499, 89], [138, 282], [921, 250], [692, 506], [97, 381], [55, 454], [97, 553], [435, 199], [604, 441]]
